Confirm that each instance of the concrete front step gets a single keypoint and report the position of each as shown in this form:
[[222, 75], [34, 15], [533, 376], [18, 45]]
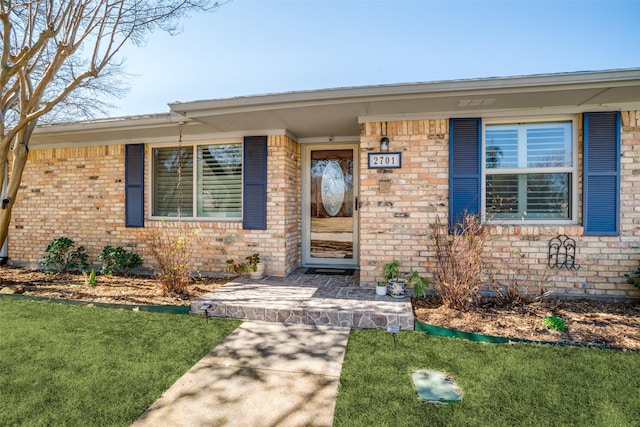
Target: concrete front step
[[286, 300]]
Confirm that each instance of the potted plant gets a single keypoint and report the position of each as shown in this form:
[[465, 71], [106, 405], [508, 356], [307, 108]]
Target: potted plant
[[397, 284], [256, 266], [418, 283], [381, 289], [236, 267]]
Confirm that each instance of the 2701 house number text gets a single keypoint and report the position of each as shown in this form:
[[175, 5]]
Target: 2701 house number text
[[385, 160]]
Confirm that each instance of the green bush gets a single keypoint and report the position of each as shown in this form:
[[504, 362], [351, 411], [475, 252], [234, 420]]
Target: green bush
[[90, 279], [634, 279], [236, 267], [60, 255], [118, 260], [555, 322]]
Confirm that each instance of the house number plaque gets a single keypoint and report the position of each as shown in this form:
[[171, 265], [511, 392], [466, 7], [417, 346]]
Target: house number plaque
[[386, 160]]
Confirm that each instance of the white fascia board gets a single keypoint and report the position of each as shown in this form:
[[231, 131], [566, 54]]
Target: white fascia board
[[117, 123], [163, 140], [67, 144]]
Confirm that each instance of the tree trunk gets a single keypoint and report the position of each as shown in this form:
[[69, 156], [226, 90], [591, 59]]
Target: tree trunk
[[20, 154]]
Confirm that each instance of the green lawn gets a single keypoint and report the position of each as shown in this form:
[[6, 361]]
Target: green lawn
[[502, 385], [82, 366], [71, 365]]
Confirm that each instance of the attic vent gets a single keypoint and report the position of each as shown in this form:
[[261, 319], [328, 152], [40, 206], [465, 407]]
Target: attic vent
[[476, 102]]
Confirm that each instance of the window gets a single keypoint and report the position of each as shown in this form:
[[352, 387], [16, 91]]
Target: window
[[529, 171], [210, 188]]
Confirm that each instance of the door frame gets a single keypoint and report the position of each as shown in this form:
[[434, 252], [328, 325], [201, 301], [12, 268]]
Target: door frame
[[306, 211]]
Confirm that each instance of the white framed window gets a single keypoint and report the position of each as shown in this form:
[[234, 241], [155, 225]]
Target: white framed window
[[209, 187], [530, 171]]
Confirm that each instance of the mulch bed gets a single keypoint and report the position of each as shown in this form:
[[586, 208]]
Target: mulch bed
[[590, 322], [109, 289]]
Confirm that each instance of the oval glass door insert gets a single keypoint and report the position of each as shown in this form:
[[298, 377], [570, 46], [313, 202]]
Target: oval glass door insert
[[332, 188]]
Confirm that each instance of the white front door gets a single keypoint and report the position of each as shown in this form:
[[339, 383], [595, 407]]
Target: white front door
[[330, 205]]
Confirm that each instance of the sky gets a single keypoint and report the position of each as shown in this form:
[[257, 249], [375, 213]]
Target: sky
[[252, 47]]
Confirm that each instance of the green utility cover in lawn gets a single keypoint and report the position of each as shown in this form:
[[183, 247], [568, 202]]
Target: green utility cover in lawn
[[435, 387]]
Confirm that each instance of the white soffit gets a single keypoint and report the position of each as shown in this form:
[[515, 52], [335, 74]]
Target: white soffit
[[339, 111]]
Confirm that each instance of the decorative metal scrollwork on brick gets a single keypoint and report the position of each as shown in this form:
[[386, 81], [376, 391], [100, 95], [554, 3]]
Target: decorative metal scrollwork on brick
[[562, 253]]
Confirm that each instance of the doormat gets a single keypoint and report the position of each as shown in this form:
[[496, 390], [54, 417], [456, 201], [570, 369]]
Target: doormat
[[435, 387], [331, 271]]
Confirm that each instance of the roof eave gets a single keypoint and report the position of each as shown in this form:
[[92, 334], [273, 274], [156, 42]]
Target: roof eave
[[394, 91], [119, 123]]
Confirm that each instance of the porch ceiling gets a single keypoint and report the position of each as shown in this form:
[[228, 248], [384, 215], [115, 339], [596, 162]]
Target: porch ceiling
[[338, 112]]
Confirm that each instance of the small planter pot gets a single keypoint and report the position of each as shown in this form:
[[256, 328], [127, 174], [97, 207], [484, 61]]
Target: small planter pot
[[259, 273], [381, 290], [398, 288]]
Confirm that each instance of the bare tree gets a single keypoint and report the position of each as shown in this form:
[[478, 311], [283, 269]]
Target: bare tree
[[55, 56]]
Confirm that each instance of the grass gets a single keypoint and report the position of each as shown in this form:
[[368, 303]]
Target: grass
[[502, 385], [70, 365]]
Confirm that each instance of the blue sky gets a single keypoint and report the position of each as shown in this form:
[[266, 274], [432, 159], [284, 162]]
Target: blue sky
[[251, 47]]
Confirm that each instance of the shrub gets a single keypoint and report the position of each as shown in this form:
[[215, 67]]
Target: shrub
[[420, 284], [555, 323], [118, 260], [242, 267], [172, 248], [60, 255], [459, 269], [518, 285], [236, 267], [634, 279], [90, 279]]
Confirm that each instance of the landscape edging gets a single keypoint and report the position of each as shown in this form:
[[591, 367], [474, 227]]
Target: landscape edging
[[441, 331], [169, 309]]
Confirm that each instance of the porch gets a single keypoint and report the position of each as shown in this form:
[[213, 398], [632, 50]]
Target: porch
[[311, 299]]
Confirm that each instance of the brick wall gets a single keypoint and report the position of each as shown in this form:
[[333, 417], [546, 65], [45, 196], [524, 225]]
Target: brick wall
[[72, 192], [400, 207], [283, 207], [79, 193]]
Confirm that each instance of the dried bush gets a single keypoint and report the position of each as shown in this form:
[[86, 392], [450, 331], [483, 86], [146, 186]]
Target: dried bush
[[459, 269], [172, 247], [516, 286]]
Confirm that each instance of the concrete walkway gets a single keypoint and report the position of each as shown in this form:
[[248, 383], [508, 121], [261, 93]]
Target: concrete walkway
[[263, 374]]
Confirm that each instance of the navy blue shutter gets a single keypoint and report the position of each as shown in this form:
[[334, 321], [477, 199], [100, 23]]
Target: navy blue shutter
[[254, 201], [134, 185], [601, 180], [464, 169]]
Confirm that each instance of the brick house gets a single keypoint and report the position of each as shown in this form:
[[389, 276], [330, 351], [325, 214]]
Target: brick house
[[307, 179]]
